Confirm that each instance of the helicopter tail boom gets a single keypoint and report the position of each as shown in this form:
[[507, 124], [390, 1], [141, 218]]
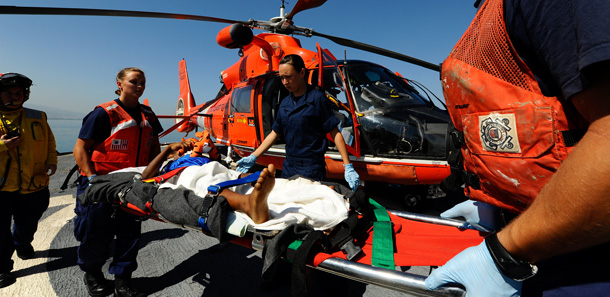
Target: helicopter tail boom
[[186, 101]]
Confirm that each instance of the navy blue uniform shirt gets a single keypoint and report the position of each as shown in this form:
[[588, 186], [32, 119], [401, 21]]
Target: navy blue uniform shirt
[[96, 125], [304, 123], [557, 50]]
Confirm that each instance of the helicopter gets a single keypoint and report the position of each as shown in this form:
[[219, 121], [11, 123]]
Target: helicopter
[[394, 132]]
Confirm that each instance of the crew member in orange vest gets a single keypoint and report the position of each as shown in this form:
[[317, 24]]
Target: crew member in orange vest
[[528, 88], [117, 134]]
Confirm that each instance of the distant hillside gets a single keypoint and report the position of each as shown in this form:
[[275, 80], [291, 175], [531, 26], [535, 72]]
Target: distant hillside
[[56, 113]]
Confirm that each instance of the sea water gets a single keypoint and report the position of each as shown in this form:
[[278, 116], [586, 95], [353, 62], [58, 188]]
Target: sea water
[[66, 133]]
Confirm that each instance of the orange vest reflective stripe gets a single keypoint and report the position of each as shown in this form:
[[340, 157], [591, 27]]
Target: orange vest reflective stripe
[[513, 134], [129, 145]]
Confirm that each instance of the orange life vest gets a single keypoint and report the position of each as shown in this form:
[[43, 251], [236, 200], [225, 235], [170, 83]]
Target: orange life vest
[[514, 136], [129, 145]]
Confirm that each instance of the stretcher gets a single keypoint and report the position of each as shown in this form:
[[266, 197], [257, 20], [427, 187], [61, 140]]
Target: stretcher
[[437, 239], [415, 240]]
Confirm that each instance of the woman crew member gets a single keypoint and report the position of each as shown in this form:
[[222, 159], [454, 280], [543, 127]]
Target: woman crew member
[[304, 118], [117, 134]]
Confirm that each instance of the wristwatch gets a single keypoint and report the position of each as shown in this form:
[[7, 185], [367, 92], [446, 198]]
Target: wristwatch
[[510, 266]]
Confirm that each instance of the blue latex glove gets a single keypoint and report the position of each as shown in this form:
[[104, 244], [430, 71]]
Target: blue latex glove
[[244, 164], [477, 272], [90, 178], [351, 176], [479, 216]]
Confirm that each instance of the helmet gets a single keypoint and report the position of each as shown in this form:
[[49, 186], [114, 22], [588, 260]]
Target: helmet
[[16, 80]]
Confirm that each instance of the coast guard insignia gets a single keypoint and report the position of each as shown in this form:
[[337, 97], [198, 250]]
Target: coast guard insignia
[[498, 133]]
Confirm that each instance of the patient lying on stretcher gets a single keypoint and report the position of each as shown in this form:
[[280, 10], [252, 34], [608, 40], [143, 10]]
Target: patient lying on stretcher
[[270, 204], [253, 204]]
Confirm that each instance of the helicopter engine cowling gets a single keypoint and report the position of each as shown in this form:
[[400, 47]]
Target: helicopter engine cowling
[[235, 36]]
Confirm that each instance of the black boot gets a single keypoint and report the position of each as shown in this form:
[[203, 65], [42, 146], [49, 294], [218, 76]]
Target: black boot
[[97, 284], [25, 252], [122, 287], [6, 279]]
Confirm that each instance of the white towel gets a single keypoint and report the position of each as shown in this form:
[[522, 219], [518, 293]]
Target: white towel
[[290, 201]]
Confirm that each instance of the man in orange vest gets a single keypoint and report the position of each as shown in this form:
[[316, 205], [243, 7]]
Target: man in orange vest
[[528, 88]]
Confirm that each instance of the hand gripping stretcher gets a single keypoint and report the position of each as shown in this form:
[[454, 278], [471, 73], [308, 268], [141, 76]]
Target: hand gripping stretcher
[[367, 246]]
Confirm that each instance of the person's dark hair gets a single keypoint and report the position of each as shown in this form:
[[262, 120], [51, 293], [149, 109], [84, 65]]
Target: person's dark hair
[[122, 75], [295, 60]]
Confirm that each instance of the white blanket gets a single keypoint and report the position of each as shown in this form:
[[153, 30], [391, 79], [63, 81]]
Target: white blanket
[[290, 201]]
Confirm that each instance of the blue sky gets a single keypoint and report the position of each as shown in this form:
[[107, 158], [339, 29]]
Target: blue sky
[[73, 60]]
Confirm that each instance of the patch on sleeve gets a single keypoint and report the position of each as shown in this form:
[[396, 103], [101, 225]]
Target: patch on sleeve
[[119, 144], [499, 133]]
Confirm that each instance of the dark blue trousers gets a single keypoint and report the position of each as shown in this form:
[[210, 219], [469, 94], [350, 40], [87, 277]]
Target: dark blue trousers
[[25, 210], [96, 226]]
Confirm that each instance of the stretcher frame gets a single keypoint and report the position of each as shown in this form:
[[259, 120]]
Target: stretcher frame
[[391, 279], [404, 282]]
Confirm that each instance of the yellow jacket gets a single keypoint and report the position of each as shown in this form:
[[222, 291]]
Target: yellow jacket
[[24, 168]]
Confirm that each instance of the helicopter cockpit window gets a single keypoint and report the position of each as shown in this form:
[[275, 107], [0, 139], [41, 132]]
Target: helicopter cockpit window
[[394, 119], [334, 85], [336, 91], [241, 100], [375, 87]]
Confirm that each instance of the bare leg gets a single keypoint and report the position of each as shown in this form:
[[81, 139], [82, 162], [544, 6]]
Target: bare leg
[[254, 204]]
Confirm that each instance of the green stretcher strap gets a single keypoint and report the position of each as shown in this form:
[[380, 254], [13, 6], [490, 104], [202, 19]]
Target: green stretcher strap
[[292, 249], [295, 244], [383, 240]]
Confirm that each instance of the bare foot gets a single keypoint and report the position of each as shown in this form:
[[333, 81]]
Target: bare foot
[[258, 208]]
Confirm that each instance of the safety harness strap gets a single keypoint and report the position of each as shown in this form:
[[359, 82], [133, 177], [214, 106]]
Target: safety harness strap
[[383, 243], [299, 286], [342, 236], [571, 137], [215, 189], [162, 178]]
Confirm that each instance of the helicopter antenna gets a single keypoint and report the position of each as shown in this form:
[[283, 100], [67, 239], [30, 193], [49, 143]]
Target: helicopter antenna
[[282, 9]]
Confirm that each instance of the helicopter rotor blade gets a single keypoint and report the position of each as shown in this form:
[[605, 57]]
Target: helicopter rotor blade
[[108, 12], [303, 5], [378, 50], [300, 6]]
